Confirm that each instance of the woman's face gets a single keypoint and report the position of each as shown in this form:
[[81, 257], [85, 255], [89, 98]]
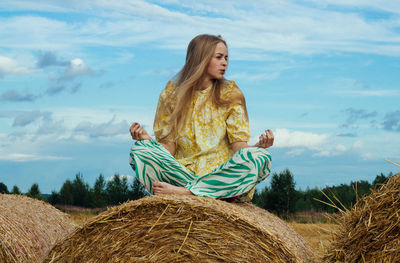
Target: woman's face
[[219, 62]]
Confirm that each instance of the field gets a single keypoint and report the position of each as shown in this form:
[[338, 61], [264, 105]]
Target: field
[[317, 235]]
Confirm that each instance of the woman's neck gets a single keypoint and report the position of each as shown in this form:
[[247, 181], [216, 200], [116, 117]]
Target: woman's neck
[[206, 83]]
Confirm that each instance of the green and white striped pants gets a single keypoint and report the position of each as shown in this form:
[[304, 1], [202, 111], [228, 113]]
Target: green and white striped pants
[[237, 176]]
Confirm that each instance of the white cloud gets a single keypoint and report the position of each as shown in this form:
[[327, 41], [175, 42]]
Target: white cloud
[[295, 152], [27, 5], [72, 116], [297, 142], [323, 153], [285, 138], [272, 71], [10, 66], [341, 148], [357, 145], [51, 126], [25, 118], [124, 57], [356, 88], [37, 33], [368, 156], [75, 69], [127, 176], [370, 93], [389, 6], [16, 96], [110, 128], [282, 26], [254, 77], [67, 126], [365, 152], [22, 157]]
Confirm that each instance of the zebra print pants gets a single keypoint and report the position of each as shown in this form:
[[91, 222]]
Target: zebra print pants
[[236, 177]]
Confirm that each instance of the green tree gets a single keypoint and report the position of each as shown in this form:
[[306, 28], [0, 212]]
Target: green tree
[[361, 188], [260, 197], [99, 193], [137, 190], [3, 188], [54, 198], [117, 190], [66, 193], [256, 198], [316, 194], [15, 190], [304, 202], [379, 180], [282, 194], [34, 192], [80, 192]]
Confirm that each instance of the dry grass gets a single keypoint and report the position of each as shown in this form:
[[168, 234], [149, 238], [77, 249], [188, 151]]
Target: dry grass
[[311, 217], [183, 229], [317, 235], [29, 228], [81, 218], [370, 231]]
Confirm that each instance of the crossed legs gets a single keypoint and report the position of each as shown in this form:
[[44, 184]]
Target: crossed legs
[[161, 173]]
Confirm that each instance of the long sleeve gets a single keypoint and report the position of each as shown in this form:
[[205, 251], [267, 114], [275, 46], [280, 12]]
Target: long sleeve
[[237, 125], [162, 126]]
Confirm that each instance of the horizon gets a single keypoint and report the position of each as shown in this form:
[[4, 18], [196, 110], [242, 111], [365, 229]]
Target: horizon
[[259, 187]]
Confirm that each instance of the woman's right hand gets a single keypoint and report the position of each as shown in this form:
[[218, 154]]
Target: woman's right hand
[[266, 139], [138, 133]]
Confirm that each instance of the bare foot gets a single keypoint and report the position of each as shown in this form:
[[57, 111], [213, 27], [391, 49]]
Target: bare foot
[[166, 188]]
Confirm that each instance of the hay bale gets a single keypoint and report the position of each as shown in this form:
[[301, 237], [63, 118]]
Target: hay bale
[[183, 229], [29, 228], [370, 231]]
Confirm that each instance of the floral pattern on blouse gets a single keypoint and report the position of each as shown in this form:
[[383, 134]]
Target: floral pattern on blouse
[[204, 142]]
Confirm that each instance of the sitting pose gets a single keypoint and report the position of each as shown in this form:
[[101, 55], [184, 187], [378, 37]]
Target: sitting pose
[[202, 129]]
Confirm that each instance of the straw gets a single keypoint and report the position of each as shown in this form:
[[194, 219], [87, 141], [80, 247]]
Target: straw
[[370, 231], [29, 228], [183, 229]]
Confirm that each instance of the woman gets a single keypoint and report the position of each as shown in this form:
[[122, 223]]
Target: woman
[[202, 129]]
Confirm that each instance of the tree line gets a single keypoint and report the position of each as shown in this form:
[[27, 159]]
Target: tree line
[[280, 196], [77, 192]]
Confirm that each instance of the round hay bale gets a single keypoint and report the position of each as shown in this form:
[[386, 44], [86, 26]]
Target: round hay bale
[[29, 228], [370, 231], [183, 229]]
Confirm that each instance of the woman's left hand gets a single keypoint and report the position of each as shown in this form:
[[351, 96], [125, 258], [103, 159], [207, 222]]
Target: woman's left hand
[[266, 139], [138, 132]]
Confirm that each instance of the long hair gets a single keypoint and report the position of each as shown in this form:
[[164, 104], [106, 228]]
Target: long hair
[[190, 78]]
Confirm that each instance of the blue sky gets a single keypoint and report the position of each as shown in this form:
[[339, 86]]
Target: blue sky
[[323, 75]]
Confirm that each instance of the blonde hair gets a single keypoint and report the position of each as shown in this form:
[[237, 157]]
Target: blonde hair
[[190, 78]]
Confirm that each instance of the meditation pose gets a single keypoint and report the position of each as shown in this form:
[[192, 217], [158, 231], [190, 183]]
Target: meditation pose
[[202, 129]]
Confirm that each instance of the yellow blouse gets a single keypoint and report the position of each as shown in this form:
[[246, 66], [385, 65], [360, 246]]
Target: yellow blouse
[[204, 142]]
